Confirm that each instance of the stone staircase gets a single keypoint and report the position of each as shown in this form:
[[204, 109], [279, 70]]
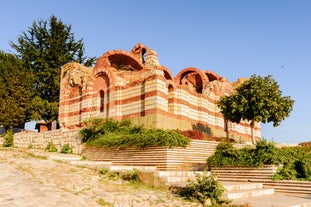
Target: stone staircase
[[245, 190], [263, 175], [242, 174], [252, 187], [248, 193]]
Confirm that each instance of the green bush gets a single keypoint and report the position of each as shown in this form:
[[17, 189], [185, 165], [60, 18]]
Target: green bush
[[8, 138], [265, 153], [203, 188], [50, 147], [203, 128], [66, 149], [296, 161], [133, 176], [114, 134]]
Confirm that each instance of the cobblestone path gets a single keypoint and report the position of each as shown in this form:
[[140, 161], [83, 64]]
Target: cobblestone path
[[34, 180]]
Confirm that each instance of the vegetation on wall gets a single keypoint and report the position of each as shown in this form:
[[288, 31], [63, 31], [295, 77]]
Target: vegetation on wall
[[193, 134], [206, 130], [101, 132], [295, 161]]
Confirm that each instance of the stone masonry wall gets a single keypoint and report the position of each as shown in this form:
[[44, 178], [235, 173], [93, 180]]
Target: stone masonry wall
[[40, 140]]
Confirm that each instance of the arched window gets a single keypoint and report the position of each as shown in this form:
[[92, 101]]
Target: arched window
[[143, 55], [102, 101], [170, 99]]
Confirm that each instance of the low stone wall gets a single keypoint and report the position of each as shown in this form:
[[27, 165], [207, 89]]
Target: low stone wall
[[57, 137]]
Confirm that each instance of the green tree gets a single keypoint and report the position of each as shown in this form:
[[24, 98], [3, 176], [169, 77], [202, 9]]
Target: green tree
[[258, 99], [15, 91], [45, 47]]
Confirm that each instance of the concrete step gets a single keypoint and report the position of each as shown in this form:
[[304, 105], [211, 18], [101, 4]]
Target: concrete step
[[234, 194], [274, 201]]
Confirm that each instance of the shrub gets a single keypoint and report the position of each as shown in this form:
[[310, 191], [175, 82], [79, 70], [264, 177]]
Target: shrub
[[203, 188], [193, 134], [110, 133], [133, 176], [50, 147], [265, 153], [66, 149], [296, 161], [103, 171], [8, 138], [203, 128]]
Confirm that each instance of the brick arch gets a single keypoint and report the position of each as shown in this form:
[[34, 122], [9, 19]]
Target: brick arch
[[212, 76], [101, 71], [101, 82], [201, 80], [167, 73], [116, 58], [101, 97]]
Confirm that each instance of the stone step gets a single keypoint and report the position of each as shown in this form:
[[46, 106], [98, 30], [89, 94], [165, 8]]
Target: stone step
[[236, 179], [234, 186], [91, 164], [123, 168], [64, 157], [234, 194], [177, 178], [274, 201]]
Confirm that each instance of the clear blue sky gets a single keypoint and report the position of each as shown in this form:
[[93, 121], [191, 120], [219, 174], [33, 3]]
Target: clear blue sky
[[234, 38]]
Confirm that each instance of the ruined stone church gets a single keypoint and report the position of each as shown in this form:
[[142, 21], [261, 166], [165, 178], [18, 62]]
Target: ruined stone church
[[133, 85]]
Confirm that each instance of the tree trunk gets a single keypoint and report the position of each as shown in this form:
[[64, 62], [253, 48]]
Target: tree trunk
[[227, 130], [252, 132]]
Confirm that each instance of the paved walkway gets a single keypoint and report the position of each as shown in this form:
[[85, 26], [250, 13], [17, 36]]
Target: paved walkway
[[34, 181]]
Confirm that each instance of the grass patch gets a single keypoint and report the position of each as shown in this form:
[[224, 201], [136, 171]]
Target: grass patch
[[31, 155], [50, 147], [102, 202]]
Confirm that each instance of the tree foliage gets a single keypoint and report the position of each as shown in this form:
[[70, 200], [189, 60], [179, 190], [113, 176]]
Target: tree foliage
[[258, 99], [15, 91], [44, 48]]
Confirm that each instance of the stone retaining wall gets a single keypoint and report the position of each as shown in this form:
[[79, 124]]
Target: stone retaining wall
[[192, 157], [40, 140]]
